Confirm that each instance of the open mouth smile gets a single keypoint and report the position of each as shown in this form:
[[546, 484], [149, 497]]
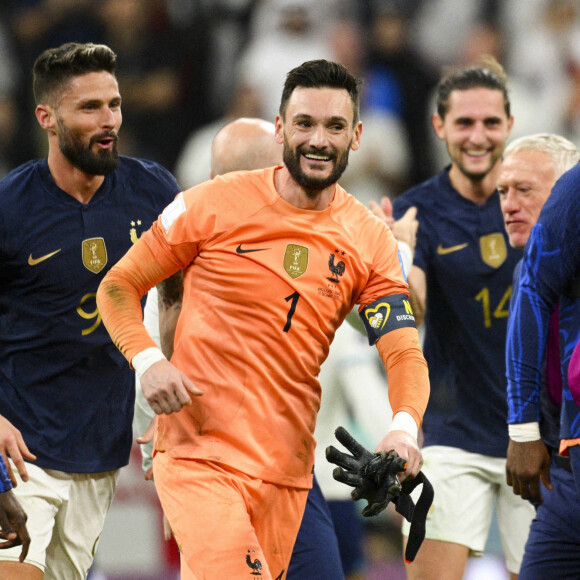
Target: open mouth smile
[[316, 157]]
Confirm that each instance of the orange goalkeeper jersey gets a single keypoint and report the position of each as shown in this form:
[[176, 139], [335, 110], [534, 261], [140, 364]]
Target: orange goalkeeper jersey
[[266, 284]]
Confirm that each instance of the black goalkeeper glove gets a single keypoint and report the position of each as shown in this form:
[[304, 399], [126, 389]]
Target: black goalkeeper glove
[[374, 478], [373, 475]]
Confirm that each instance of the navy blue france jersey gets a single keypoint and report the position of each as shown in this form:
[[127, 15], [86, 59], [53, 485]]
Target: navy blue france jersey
[[63, 383], [550, 274], [542, 404], [463, 249]]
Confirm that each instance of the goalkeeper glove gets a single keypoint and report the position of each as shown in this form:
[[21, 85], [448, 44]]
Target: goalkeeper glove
[[374, 477]]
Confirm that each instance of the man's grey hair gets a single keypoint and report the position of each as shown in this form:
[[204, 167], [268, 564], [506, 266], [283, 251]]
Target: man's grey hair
[[564, 153]]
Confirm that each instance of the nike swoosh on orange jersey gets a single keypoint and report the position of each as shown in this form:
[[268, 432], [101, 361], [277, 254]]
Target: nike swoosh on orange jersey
[[442, 251], [33, 261], [240, 251]]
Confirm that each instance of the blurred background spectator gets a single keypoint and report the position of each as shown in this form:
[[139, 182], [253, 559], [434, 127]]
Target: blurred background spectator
[[188, 67], [185, 66]]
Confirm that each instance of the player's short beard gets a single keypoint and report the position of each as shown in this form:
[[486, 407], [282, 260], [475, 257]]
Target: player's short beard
[[292, 161], [480, 175], [103, 162]]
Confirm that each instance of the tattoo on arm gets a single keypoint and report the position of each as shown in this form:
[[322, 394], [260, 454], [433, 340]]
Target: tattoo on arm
[[171, 292], [170, 298]]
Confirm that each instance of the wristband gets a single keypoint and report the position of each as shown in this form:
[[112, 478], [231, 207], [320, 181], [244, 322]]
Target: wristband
[[404, 421], [143, 360], [524, 432], [406, 257]]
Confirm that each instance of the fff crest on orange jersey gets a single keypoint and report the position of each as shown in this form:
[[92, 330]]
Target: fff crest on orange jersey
[[295, 260], [94, 254], [337, 268], [493, 249]]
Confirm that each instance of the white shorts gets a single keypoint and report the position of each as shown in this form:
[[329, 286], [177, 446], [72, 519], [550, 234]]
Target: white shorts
[[467, 485], [66, 513]]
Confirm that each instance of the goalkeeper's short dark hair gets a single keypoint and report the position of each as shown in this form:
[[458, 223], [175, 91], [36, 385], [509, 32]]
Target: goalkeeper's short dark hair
[[317, 74]]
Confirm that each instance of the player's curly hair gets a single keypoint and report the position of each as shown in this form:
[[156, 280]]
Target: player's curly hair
[[486, 72], [55, 67], [318, 74]]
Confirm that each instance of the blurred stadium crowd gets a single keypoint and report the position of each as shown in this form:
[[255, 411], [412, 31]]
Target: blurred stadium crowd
[[186, 67]]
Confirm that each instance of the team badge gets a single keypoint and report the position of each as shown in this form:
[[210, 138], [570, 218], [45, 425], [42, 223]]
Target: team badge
[[336, 269], [255, 565], [493, 249], [94, 254], [295, 260], [133, 231]]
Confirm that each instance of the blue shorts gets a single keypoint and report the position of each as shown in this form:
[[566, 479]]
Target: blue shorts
[[349, 531], [316, 555], [575, 465], [553, 546]]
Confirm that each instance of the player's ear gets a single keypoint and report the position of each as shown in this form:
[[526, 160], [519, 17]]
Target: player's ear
[[279, 130], [438, 126], [355, 144], [45, 117], [510, 123]]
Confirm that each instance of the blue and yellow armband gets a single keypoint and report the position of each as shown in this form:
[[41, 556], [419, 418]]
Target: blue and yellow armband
[[387, 314]]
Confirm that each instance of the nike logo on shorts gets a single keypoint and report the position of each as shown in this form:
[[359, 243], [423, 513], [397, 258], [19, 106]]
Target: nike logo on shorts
[[443, 251], [240, 251], [33, 261]]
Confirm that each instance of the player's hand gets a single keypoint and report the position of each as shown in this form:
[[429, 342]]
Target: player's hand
[[166, 388], [405, 445], [384, 211], [147, 437], [13, 524], [526, 464], [405, 229], [12, 444]]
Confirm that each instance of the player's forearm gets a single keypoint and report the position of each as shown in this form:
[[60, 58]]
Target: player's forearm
[[417, 304], [144, 414], [407, 372], [418, 293], [119, 295], [524, 359]]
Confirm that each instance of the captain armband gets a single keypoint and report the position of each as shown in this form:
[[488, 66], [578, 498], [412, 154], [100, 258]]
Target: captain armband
[[387, 314]]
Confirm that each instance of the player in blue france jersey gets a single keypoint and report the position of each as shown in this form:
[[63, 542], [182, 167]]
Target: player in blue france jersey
[[541, 351], [461, 280], [64, 221]]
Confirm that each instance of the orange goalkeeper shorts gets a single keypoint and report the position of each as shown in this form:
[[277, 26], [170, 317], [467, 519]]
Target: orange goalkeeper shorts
[[226, 523]]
